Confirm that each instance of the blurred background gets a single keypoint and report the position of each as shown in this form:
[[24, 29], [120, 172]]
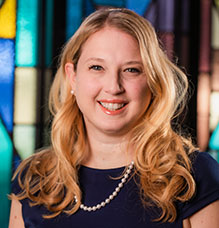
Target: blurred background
[[32, 33]]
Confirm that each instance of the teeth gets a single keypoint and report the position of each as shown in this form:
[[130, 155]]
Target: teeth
[[112, 106]]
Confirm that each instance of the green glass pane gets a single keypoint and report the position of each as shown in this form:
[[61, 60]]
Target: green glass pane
[[1, 2], [27, 32], [6, 151], [214, 140], [24, 138], [217, 3], [214, 154]]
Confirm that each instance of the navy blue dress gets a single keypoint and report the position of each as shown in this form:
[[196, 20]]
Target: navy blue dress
[[125, 210]]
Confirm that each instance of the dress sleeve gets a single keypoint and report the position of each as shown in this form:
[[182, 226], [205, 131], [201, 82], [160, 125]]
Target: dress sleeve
[[206, 175], [15, 188]]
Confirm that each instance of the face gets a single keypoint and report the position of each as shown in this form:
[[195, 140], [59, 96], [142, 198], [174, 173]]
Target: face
[[109, 83]]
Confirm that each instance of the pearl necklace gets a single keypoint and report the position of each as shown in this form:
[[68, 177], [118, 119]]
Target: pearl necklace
[[112, 196]]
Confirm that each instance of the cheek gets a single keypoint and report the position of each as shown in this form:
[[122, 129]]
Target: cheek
[[141, 92], [144, 96], [86, 87]]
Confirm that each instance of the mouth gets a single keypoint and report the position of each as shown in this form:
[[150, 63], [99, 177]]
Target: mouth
[[112, 106]]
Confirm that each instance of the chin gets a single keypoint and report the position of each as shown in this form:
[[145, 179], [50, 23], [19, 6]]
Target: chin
[[115, 130]]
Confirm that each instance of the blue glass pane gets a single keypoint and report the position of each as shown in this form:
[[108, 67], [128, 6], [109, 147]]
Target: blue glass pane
[[27, 32], [6, 151], [73, 16], [6, 81], [151, 13], [116, 3], [89, 7], [139, 6], [166, 15], [49, 32]]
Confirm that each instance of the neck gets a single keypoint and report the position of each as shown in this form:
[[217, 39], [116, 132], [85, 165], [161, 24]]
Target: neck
[[105, 152]]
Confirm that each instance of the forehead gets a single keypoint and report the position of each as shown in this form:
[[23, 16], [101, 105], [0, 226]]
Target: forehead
[[110, 33], [109, 40]]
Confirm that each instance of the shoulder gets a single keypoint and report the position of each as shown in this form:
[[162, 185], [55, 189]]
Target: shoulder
[[16, 218], [205, 171]]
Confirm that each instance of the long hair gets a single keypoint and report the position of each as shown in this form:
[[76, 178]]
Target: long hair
[[161, 155]]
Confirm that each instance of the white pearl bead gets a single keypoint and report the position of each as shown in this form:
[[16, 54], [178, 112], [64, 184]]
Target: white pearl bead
[[117, 189], [103, 204], [120, 185], [115, 194], [126, 176], [123, 180], [111, 197], [107, 200]]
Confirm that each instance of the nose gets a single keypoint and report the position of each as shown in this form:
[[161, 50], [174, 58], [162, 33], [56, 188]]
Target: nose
[[113, 83]]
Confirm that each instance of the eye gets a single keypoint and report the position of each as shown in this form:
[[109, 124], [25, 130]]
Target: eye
[[96, 67], [132, 70]]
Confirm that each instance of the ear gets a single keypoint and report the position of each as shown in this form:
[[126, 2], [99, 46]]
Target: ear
[[71, 74]]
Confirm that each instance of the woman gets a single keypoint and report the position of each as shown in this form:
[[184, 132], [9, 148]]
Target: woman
[[115, 160]]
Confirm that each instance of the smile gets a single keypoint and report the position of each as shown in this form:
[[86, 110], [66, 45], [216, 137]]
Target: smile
[[112, 106]]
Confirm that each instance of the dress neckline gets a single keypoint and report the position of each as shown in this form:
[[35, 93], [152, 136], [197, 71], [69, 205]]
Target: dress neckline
[[98, 170]]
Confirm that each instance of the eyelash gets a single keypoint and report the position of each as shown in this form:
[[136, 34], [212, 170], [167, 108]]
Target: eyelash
[[133, 70], [96, 67]]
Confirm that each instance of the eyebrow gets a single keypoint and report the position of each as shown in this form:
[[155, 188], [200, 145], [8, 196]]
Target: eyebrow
[[102, 60], [95, 59], [133, 62]]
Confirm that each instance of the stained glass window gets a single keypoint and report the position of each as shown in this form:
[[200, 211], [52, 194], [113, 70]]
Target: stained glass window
[[32, 33], [27, 32]]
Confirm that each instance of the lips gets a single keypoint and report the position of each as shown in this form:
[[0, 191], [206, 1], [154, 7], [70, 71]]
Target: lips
[[112, 107]]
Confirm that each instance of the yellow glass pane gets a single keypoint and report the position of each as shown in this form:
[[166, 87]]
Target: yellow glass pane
[[25, 95], [24, 138], [215, 28], [8, 19]]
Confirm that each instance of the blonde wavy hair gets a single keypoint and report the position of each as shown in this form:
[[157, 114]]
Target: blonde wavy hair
[[161, 155]]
